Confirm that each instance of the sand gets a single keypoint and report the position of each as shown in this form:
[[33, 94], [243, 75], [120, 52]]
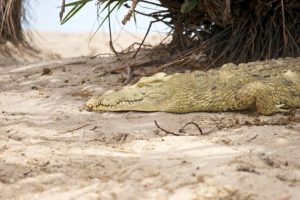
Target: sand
[[83, 44], [51, 148]]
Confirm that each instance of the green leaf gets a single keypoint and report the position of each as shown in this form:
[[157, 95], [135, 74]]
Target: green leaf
[[120, 3], [105, 18], [77, 2], [76, 6]]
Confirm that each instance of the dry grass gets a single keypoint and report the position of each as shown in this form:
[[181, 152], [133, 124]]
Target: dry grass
[[238, 31], [12, 13]]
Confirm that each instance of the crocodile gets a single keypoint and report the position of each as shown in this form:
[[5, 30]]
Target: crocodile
[[267, 87]]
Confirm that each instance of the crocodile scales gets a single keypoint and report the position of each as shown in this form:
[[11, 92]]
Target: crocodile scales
[[266, 87]]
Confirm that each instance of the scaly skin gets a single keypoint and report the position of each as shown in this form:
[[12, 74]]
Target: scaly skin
[[267, 86]]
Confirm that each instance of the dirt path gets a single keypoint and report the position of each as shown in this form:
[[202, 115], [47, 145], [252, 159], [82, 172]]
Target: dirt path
[[50, 148]]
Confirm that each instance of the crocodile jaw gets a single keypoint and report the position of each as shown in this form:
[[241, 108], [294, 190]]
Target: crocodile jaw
[[148, 94], [104, 103]]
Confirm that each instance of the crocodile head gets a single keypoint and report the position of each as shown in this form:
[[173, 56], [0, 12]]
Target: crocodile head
[[148, 94]]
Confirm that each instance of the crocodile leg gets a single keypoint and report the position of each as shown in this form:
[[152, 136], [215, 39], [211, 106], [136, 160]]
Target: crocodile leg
[[261, 97]]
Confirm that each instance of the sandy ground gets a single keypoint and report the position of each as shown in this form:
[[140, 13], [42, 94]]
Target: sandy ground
[[82, 44], [51, 148]]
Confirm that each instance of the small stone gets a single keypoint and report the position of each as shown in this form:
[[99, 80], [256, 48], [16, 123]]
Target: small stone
[[34, 87], [46, 71]]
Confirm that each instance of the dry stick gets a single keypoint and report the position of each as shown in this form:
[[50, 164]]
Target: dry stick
[[62, 10], [133, 66], [176, 60], [193, 123], [112, 48], [151, 3], [164, 130], [152, 62], [156, 16], [283, 25], [170, 61], [180, 130], [94, 140], [149, 27], [51, 64], [75, 129], [252, 138], [130, 11], [295, 43], [130, 48]]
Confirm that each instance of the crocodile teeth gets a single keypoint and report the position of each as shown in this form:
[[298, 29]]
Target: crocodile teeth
[[119, 103]]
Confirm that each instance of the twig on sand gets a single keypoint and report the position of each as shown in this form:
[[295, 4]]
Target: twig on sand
[[252, 138], [181, 130], [164, 130], [75, 129], [51, 64], [193, 123], [133, 67], [94, 140]]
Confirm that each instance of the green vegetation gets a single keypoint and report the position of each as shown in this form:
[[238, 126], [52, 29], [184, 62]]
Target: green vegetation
[[225, 31]]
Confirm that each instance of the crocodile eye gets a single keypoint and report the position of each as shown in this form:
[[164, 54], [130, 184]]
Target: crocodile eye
[[140, 85]]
